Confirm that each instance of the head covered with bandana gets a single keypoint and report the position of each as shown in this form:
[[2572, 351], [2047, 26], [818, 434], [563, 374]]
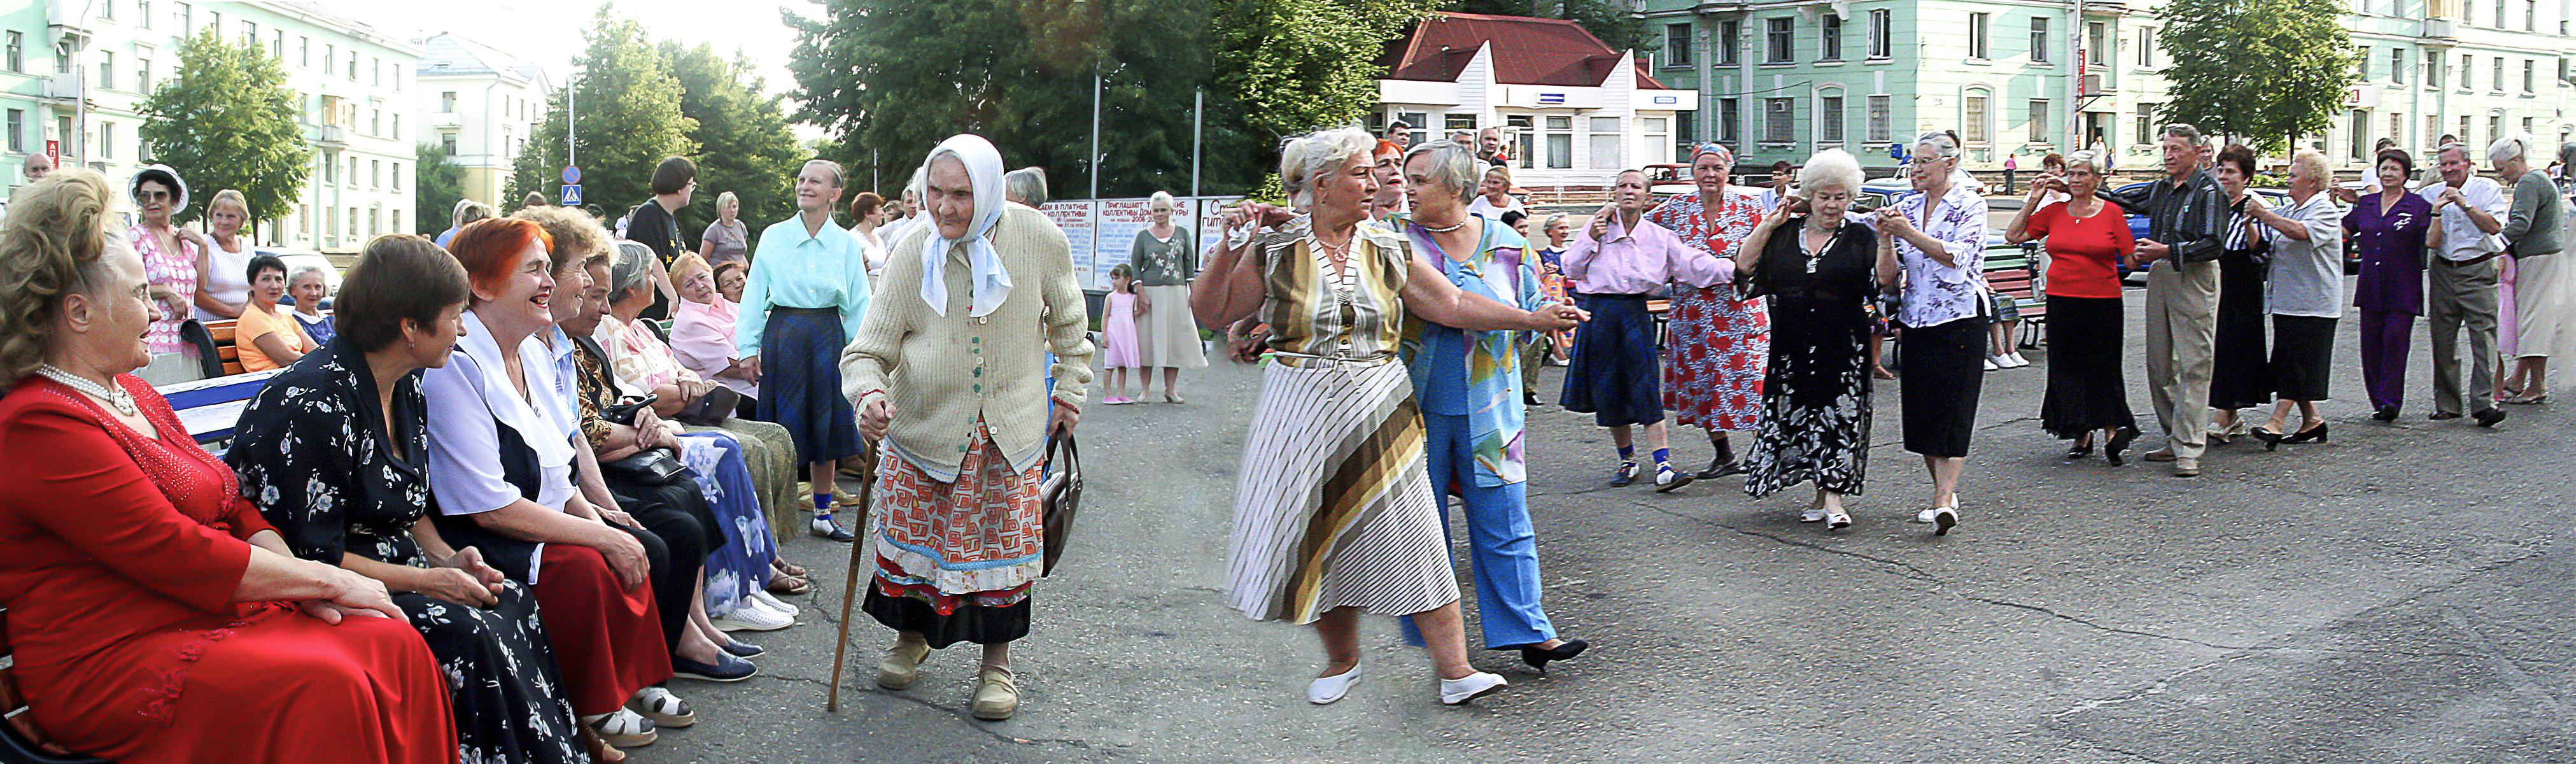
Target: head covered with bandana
[[991, 283]]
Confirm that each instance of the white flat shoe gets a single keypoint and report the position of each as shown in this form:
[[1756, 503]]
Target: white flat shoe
[[1473, 686], [774, 603], [1324, 690], [1812, 515]]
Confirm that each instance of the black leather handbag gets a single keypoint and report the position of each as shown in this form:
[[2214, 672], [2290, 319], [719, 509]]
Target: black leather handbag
[[1061, 493]]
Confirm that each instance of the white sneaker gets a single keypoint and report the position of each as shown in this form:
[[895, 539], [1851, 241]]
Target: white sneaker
[[774, 603], [764, 607], [1990, 364], [1473, 686], [1325, 690], [752, 617], [2017, 359]]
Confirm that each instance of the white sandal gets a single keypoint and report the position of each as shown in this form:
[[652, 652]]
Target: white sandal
[[622, 729], [662, 707]]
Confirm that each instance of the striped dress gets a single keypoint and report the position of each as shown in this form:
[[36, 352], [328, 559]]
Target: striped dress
[[1334, 508]]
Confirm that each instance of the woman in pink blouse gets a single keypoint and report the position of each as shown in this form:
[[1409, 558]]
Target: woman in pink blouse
[[169, 256]]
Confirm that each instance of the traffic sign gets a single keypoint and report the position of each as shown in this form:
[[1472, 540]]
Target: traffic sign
[[572, 194], [572, 175]]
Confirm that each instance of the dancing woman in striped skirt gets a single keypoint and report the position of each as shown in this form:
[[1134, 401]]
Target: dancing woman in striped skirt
[[1334, 513]]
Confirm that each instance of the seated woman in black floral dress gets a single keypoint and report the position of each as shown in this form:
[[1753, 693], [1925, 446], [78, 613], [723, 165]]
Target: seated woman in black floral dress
[[1817, 266], [332, 452]]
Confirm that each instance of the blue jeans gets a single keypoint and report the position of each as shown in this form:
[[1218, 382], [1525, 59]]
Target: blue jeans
[[1503, 548]]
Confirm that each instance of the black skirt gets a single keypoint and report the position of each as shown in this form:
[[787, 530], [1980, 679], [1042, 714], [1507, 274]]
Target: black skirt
[[2085, 391], [2240, 376], [1613, 374], [2302, 349], [1944, 367], [980, 624]]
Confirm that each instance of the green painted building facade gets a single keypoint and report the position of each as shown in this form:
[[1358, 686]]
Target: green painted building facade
[[1783, 80]]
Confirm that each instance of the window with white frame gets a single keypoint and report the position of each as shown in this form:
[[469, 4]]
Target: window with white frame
[[2039, 120], [2529, 70], [2097, 44], [1657, 137], [2361, 63], [1829, 42], [1882, 33], [2146, 47], [1730, 121], [1560, 142], [1779, 120], [2038, 39], [1524, 133], [1829, 118], [2397, 65], [1974, 119], [2496, 83], [2396, 128], [1881, 124], [1607, 149], [1730, 41], [1779, 42], [1978, 25]]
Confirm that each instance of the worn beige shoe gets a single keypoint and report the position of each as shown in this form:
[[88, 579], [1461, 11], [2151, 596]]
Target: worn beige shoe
[[902, 664], [2186, 467], [997, 697]]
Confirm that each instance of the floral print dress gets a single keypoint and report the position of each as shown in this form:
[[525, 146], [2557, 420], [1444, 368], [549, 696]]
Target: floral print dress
[[1720, 341], [316, 456]]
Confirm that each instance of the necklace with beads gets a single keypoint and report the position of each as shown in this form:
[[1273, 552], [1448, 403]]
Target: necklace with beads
[[115, 396]]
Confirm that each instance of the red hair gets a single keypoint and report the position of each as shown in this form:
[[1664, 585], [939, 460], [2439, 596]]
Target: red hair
[[488, 247], [1384, 145]]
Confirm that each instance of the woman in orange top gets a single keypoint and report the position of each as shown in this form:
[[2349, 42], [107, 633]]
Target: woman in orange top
[[264, 339]]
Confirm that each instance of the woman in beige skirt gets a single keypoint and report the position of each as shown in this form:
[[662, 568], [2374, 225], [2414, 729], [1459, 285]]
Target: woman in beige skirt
[[1165, 261]]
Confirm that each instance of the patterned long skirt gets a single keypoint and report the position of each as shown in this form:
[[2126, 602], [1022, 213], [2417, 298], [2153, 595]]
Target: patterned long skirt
[[1717, 356], [954, 560], [1815, 424]]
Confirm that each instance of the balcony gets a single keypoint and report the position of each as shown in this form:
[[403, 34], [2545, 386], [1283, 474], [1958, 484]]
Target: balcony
[[63, 87], [2441, 31], [332, 136], [449, 120], [69, 16]]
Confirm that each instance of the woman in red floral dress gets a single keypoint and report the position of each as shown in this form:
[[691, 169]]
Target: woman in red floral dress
[[1718, 344]]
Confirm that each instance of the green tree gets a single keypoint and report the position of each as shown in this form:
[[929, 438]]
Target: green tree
[[743, 145], [2262, 70], [227, 120], [629, 120], [1610, 21], [890, 78], [1298, 65], [440, 182]]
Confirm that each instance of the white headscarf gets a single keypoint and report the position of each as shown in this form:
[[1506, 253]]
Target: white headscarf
[[992, 284]]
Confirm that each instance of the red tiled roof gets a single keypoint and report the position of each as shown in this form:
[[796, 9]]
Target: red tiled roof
[[1527, 51]]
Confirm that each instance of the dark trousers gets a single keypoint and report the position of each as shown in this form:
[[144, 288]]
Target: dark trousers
[[2385, 335], [677, 519]]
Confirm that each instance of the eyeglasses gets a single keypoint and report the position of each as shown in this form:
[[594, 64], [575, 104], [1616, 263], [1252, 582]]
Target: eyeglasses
[[152, 196]]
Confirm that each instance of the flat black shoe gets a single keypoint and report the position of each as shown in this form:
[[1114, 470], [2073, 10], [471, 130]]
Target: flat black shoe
[[1530, 399], [2489, 417], [2385, 414], [741, 649], [836, 533], [2441, 415], [1627, 475], [2079, 451], [727, 668], [2315, 434], [1720, 469], [2119, 445], [2271, 440], [1537, 658]]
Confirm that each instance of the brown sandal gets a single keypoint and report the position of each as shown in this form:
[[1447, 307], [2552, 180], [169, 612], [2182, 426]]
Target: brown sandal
[[788, 568], [782, 583]]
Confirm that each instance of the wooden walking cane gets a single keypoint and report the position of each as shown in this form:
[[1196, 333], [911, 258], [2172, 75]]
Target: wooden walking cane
[[850, 583]]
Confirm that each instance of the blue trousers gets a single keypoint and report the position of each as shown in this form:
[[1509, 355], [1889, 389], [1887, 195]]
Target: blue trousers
[[1501, 544]]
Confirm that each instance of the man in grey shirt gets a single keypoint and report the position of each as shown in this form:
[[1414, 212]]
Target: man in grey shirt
[[2460, 287], [2186, 216], [2535, 232]]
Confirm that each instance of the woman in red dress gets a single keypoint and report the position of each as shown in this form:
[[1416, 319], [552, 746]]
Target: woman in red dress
[[154, 616], [1721, 344]]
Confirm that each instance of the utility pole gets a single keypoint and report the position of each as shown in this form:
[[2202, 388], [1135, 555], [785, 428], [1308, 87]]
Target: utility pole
[[571, 152], [1095, 133], [1198, 138]]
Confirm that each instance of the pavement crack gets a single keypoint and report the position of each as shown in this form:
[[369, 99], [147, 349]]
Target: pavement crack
[[1910, 571], [2099, 626]]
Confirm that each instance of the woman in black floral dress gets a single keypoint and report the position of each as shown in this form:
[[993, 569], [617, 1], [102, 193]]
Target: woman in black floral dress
[[1817, 268], [332, 451]]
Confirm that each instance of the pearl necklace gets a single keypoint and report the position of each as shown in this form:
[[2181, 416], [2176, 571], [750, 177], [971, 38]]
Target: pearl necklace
[[117, 396], [1462, 223]]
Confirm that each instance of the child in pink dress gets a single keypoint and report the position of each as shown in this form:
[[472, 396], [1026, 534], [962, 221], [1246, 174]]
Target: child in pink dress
[[1118, 334]]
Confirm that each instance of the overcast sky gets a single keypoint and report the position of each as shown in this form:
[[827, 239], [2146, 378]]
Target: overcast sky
[[548, 33]]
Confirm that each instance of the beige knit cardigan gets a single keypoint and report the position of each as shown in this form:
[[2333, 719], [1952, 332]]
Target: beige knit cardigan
[[940, 373]]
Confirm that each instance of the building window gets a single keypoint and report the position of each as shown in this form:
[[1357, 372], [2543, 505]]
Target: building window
[[2097, 44], [397, 176], [277, 45], [2528, 68], [353, 67], [397, 126], [2397, 65], [1780, 45], [304, 51], [1730, 40], [107, 10], [330, 58], [2146, 124], [215, 23], [18, 130], [1978, 25], [2530, 15], [2360, 138], [353, 221], [107, 140], [1685, 132], [143, 75], [1677, 45], [1606, 148], [2396, 129], [1730, 119], [2467, 69], [185, 21], [17, 52], [2503, 7], [2146, 47], [1779, 120], [1656, 140], [1560, 143], [2361, 64], [2526, 127], [1829, 118], [1972, 119], [2433, 70], [1456, 121], [2038, 40], [1880, 125], [2432, 127], [143, 10], [376, 122], [1830, 43], [376, 71], [2464, 133], [2039, 120], [1882, 33], [375, 173], [2497, 82], [250, 32], [107, 68]]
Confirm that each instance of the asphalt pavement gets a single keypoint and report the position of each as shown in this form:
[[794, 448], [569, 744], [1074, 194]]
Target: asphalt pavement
[[2398, 594]]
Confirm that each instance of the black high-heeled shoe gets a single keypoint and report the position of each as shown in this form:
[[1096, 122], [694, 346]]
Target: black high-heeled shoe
[[1538, 657], [2079, 451], [2315, 434], [2119, 445], [2271, 440], [2385, 414]]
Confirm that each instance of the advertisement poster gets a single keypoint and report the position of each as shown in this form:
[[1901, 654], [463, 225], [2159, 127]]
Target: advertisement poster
[[1075, 218]]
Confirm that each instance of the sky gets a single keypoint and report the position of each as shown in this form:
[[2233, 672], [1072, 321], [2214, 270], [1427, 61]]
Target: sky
[[549, 33]]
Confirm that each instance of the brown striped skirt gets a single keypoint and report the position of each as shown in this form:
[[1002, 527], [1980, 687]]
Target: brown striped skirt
[[1333, 508]]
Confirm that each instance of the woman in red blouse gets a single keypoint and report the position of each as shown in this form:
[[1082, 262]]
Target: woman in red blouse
[[154, 615], [2087, 238]]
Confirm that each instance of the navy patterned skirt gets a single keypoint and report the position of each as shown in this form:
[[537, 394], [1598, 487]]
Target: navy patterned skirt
[[800, 383], [1613, 374]]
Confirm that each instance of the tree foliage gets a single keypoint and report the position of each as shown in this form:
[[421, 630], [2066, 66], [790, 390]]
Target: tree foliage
[[227, 120], [890, 78], [440, 182], [2263, 70], [1303, 64], [741, 137], [629, 121]]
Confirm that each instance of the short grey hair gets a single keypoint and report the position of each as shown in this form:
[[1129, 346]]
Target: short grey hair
[[468, 210], [1452, 167], [2512, 146], [2463, 148], [1830, 169], [1163, 198], [1307, 157], [309, 270], [1552, 220], [2315, 161], [1027, 185], [839, 178], [2187, 132], [1941, 142], [631, 270], [2088, 159]]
